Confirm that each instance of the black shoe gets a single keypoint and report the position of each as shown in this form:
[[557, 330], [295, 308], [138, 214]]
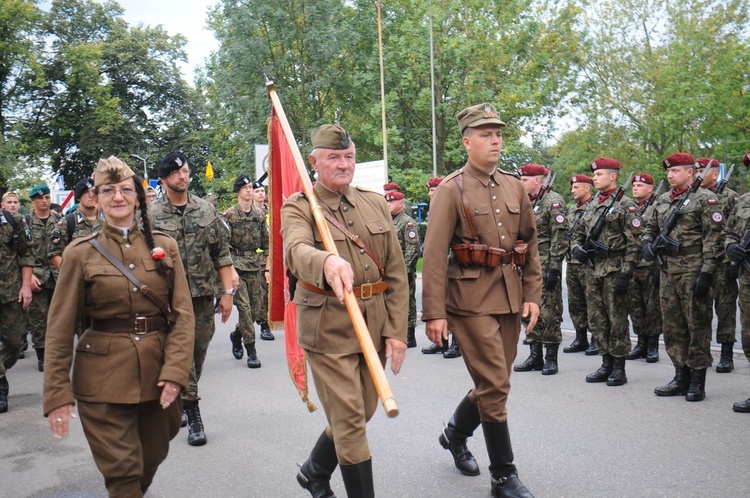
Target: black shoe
[[742, 406], [652, 349], [639, 351], [603, 372], [434, 348], [453, 350], [4, 390], [617, 377], [358, 479], [265, 332], [315, 474], [726, 360], [461, 427], [535, 361], [411, 339], [25, 344], [252, 356], [196, 434], [550, 360], [184, 421], [677, 386], [593, 349], [236, 338], [579, 344], [503, 473], [40, 359], [697, 389], [508, 487]]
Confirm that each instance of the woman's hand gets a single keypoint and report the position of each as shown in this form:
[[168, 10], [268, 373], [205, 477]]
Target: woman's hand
[[58, 420], [169, 392]]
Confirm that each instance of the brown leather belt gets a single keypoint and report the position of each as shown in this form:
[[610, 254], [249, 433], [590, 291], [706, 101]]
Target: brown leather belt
[[364, 292], [138, 325]]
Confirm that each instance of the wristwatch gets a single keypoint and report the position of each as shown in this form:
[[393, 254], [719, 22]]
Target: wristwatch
[[231, 292]]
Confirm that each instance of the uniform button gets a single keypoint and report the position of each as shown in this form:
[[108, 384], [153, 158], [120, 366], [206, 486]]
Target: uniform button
[[361, 251], [500, 224], [379, 227], [137, 338], [88, 346], [367, 267], [367, 281], [476, 211], [345, 209], [131, 266], [502, 237], [127, 245], [494, 197], [135, 289], [497, 211], [351, 223], [492, 185], [317, 283], [304, 300]]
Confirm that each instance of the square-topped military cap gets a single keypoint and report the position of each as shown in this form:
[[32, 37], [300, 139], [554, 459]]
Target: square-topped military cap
[[478, 115]]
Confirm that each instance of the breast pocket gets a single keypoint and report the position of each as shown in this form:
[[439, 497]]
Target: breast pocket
[[103, 281], [310, 306], [482, 219], [90, 365], [157, 282]]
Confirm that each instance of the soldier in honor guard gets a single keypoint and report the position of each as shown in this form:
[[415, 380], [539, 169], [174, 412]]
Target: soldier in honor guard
[[248, 246], [575, 274], [610, 256], [408, 238], [260, 302], [552, 228], [683, 236], [483, 218], [645, 310]]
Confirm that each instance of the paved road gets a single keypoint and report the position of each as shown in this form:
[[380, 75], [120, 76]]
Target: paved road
[[571, 439]]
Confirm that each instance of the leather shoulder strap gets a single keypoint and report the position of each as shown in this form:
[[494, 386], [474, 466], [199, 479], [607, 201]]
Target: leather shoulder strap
[[354, 238], [460, 182]]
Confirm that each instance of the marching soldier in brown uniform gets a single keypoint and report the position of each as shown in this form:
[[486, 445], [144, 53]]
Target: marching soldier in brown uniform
[[130, 364], [482, 216], [377, 275]]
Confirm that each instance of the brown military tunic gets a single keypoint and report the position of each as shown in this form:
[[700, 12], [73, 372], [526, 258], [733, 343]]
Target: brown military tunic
[[324, 327], [482, 306]]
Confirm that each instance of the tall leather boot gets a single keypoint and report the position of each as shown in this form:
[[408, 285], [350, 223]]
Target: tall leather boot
[[4, 390], [454, 351], [315, 474], [196, 434], [265, 332], [677, 386], [252, 356], [617, 377], [411, 338], [579, 344], [639, 351], [40, 359], [604, 371], [652, 349], [535, 361], [434, 348], [550, 360], [697, 389], [726, 360], [236, 338], [358, 479], [503, 474], [461, 426], [593, 349]]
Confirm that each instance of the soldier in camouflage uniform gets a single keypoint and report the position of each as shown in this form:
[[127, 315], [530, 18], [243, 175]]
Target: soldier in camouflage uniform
[[249, 246], [11, 202], [16, 267], [260, 304], [738, 231], [645, 312], [608, 279], [686, 278], [575, 274], [552, 236], [724, 291], [408, 239], [203, 240]]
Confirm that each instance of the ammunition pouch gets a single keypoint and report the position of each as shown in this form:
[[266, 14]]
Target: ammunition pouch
[[489, 257]]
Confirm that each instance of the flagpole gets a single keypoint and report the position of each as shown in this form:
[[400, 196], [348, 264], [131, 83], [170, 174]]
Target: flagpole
[[382, 93], [432, 98], [360, 327]]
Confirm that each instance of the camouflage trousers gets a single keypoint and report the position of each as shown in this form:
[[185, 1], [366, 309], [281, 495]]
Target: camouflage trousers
[[12, 318], [724, 296], [645, 312], [744, 293], [608, 315], [547, 330], [38, 311], [250, 297], [575, 278], [412, 276], [687, 321], [203, 309]]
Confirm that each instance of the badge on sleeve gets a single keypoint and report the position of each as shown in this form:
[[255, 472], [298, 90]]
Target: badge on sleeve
[[712, 202], [411, 234], [717, 217], [636, 222], [556, 205], [631, 209], [559, 218]]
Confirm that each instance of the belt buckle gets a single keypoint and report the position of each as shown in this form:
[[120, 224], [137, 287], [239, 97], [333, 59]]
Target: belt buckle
[[141, 325], [365, 291]]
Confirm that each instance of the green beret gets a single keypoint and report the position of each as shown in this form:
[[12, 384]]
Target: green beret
[[478, 115], [111, 170], [329, 136], [38, 191]]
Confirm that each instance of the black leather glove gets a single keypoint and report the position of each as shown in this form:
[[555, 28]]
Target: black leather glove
[[736, 253], [702, 284], [581, 255], [551, 279], [648, 253], [621, 283]]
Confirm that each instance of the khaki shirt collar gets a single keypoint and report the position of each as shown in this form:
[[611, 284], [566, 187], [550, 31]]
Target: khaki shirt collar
[[333, 199], [115, 233], [480, 175]]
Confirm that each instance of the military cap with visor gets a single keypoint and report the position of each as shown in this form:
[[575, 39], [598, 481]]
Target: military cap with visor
[[478, 115]]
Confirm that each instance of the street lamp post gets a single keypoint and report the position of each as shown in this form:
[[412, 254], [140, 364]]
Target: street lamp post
[[145, 171]]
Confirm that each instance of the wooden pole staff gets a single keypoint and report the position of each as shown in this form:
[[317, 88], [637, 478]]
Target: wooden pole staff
[[360, 327]]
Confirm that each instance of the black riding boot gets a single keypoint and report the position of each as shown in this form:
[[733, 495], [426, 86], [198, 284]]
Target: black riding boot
[[315, 474], [677, 386], [652, 349], [4, 390], [196, 434], [550, 360], [639, 351], [453, 350], [252, 356], [411, 338], [593, 349], [579, 344], [358, 479], [604, 371], [726, 361], [617, 377], [236, 338], [535, 361], [461, 426], [503, 474], [40, 359], [697, 389]]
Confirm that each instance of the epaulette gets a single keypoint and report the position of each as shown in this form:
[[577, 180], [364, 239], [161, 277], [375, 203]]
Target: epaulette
[[80, 240], [514, 174], [453, 175], [367, 190]]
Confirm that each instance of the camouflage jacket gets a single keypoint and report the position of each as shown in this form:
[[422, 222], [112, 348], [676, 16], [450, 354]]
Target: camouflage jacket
[[82, 227], [249, 238], [737, 226], [12, 258], [621, 234], [575, 218], [698, 229], [645, 216], [45, 239], [202, 236], [408, 238], [552, 230]]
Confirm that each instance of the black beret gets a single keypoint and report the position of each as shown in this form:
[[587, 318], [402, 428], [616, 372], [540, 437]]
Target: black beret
[[175, 160], [240, 182], [257, 185], [82, 187]]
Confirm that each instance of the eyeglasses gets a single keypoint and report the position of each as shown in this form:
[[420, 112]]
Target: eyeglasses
[[111, 191]]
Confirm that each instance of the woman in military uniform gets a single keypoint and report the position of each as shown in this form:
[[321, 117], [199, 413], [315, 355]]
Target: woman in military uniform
[[130, 364]]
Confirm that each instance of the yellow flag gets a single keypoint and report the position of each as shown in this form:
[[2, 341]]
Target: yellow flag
[[209, 172]]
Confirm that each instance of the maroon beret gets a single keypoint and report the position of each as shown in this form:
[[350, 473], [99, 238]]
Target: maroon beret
[[643, 178], [678, 159], [746, 159], [393, 195], [581, 179], [533, 169], [434, 182], [708, 162], [605, 163], [391, 186]]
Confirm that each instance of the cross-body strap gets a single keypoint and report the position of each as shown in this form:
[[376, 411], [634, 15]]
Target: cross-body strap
[[460, 182], [356, 239]]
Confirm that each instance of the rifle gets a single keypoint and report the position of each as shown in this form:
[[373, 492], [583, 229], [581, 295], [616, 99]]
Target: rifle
[[652, 198], [573, 229], [734, 268], [546, 187], [723, 183], [663, 241], [592, 246]]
